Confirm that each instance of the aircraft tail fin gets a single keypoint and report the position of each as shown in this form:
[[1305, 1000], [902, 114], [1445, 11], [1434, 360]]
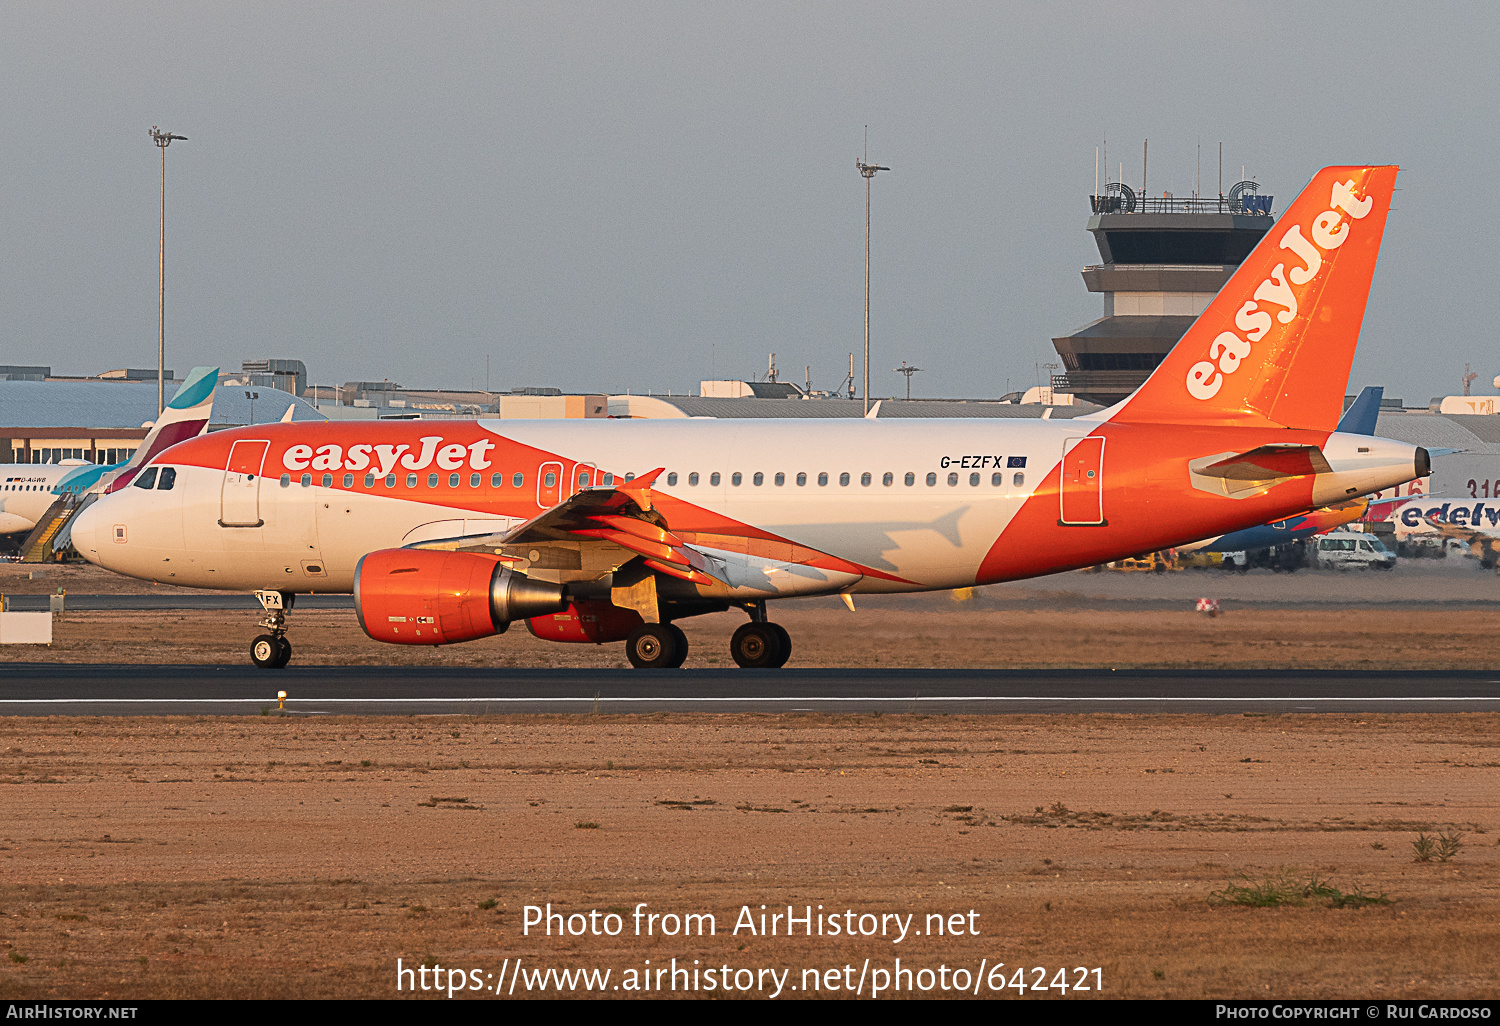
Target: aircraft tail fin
[[1276, 344], [185, 416], [1364, 413]]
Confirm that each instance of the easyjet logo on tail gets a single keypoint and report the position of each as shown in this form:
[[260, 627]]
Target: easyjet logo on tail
[[1279, 293]]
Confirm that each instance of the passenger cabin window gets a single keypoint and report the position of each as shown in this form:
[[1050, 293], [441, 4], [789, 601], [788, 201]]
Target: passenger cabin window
[[286, 480], [550, 480], [306, 480], [496, 480], [672, 478], [411, 480], [431, 480], [327, 480], [911, 479], [759, 479], [693, 478], [736, 479], [801, 480], [452, 480], [369, 480], [780, 479], [823, 478], [997, 479], [348, 480], [864, 479], [518, 480], [889, 479], [931, 480], [583, 479], [1018, 480], [844, 479], [974, 480], [390, 480], [714, 479], [167, 480], [952, 479], [473, 480]]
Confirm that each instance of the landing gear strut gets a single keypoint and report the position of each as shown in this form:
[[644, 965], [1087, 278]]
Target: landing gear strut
[[272, 651]]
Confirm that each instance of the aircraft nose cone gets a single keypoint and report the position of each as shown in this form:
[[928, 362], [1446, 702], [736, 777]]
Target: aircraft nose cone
[[84, 530]]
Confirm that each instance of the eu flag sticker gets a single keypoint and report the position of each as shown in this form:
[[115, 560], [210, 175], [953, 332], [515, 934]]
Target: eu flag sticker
[[1016, 461]]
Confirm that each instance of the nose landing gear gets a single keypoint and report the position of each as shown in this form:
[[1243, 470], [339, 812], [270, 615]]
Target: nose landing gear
[[273, 651]]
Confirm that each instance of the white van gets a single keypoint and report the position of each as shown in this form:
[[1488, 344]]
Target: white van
[[1344, 550]]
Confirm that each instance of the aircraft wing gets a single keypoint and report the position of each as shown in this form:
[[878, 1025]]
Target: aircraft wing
[[621, 515]]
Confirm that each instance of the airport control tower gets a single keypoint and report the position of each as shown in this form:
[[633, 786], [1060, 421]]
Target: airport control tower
[[1164, 260]]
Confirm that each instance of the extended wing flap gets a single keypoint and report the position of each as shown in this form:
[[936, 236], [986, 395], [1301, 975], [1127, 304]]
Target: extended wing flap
[[623, 515]]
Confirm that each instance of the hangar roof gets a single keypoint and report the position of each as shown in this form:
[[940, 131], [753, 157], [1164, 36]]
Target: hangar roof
[[129, 404]]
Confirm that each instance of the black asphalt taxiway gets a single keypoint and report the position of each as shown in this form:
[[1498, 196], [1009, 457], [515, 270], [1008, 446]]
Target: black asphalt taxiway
[[92, 689]]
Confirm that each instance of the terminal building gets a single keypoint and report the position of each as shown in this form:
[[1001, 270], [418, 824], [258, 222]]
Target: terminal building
[[1164, 260]]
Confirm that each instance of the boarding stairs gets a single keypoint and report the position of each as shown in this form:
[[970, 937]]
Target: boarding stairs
[[40, 545]]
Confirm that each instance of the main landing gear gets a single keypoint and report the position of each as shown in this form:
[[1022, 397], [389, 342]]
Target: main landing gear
[[656, 646], [272, 651], [757, 645], [762, 645]]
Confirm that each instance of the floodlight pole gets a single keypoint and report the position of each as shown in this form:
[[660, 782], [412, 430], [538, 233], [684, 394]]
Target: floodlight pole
[[162, 140], [868, 171], [908, 371]]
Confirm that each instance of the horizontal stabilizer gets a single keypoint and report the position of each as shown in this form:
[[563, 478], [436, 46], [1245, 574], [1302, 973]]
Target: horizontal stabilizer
[[1270, 461]]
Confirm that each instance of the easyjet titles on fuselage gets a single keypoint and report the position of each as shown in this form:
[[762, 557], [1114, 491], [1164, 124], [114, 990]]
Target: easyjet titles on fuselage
[[383, 459]]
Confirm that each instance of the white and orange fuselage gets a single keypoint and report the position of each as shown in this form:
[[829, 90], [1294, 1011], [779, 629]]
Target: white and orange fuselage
[[449, 530], [788, 507]]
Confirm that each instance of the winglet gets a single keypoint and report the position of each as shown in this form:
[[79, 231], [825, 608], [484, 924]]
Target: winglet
[[639, 488]]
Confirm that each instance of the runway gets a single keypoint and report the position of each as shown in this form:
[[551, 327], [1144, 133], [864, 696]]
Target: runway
[[92, 689]]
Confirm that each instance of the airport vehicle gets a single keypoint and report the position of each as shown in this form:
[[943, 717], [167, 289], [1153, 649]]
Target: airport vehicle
[[29, 490], [601, 531], [1351, 550]]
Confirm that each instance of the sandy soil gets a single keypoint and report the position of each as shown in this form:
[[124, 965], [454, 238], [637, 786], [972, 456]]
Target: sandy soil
[[822, 636], [300, 857]]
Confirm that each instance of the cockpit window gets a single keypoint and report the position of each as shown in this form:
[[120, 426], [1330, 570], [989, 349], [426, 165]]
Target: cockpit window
[[167, 480], [147, 478]]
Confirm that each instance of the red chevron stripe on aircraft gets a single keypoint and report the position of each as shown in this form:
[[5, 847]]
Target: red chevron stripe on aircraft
[[599, 531]]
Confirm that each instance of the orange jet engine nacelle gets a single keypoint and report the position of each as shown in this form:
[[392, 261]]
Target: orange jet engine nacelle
[[586, 622], [428, 597]]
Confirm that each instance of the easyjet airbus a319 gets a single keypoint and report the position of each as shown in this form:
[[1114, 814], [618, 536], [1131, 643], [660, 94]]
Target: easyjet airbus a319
[[602, 531]]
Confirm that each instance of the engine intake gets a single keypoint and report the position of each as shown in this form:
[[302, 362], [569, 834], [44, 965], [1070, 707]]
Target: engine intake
[[431, 597]]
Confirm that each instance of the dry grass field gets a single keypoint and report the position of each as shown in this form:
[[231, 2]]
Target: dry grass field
[[1181, 856], [301, 857], [823, 636]]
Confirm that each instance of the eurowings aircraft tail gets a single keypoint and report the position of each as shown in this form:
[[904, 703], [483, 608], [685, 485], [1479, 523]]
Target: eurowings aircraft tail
[[186, 416], [1276, 345], [1363, 415]]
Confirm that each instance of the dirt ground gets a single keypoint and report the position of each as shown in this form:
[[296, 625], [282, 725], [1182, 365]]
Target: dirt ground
[[822, 636], [301, 857]]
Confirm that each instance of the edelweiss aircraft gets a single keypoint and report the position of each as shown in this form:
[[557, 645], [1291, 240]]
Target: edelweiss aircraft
[[28, 490], [599, 531]]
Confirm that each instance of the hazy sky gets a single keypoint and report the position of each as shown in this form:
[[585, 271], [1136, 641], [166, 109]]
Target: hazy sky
[[636, 195]]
